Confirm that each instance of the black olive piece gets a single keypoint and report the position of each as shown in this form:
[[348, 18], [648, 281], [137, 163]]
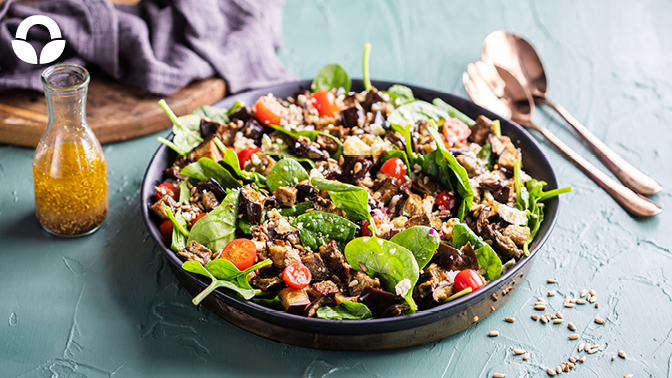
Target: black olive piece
[[243, 114], [378, 300], [351, 116]]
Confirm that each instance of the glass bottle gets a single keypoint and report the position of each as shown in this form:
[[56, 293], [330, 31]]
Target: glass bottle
[[69, 168]]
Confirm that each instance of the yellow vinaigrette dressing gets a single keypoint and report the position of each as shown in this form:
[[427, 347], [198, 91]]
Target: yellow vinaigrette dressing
[[70, 189], [69, 169]]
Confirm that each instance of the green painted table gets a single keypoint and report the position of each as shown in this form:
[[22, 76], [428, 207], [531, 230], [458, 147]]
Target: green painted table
[[108, 305]]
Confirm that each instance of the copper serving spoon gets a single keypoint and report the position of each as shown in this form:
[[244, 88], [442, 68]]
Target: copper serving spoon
[[517, 56], [496, 89]]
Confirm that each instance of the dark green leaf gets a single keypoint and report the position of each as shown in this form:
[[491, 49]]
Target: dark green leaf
[[400, 95], [219, 115], [415, 111], [230, 158], [244, 226], [217, 228], [287, 172], [422, 241], [180, 231], [317, 228], [349, 198], [296, 210], [452, 112], [389, 261], [206, 168], [347, 310], [331, 76]]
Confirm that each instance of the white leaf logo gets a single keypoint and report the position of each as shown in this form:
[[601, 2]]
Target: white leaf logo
[[51, 50]]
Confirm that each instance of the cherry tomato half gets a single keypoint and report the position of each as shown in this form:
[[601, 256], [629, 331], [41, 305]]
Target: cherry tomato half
[[468, 278], [325, 102], [269, 110], [169, 189], [241, 252], [166, 229], [455, 131], [193, 221], [296, 275], [394, 168], [446, 200], [366, 231], [246, 154]]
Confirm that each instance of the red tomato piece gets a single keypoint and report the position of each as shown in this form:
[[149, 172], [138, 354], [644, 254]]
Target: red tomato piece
[[366, 231], [246, 154], [296, 275], [325, 102], [269, 110], [166, 229], [394, 168], [446, 200], [455, 131], [468, 278], [241, 252], [193, 221], [167, 188]]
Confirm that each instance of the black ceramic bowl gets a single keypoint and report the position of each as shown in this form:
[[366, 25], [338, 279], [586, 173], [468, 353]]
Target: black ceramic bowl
[[373, 334]]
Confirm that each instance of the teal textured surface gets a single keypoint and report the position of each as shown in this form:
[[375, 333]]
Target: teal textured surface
[[108, 304]]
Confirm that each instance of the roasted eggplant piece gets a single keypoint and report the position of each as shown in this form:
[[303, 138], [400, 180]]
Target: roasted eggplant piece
[[446, 256], [212, 185], [267, 283], [286, 196], [352, 117], [378, 300], [294, 301], [333, 258], [244, 114], [254, 130], [252, 204], [207, 148], [353, 170], [208, 127], [304, 147], [305, 192], [314, 263]]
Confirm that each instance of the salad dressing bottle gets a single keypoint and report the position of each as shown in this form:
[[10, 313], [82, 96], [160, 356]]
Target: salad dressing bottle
[[69, 167]]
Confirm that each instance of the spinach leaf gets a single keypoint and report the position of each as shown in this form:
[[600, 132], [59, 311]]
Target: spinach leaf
[[349, 198], [331, 76], [486, 256], [217, 228], [535, 213], [460, 179], [389, 261], [452, 112], [219, 115], [287, 172], [422, 241], [185, 193], [223, 275], [236, 105], [365, 67], [400, 95], [285, 153], [405, 130], [486, 155], [415, 111], [296, 210], [347, 310], [436, 166], [180, 231], [231, 159], [186, 130], [522, 195], [312, 135], [244, 226], [317, 228], [206, 168]]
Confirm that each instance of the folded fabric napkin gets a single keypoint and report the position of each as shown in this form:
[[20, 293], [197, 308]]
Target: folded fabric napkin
[[159, 46]]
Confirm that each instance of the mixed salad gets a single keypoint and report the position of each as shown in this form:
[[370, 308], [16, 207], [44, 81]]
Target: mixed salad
[[346, 205]]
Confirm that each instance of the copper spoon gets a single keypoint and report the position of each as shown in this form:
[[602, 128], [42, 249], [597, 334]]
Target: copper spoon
[[485, 85], [517, 56]]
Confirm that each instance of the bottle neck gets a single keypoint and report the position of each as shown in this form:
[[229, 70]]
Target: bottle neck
[[67, 108]]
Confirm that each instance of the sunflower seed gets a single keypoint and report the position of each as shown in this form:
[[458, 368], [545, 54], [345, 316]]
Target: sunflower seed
[[588, 297], [597, 305], [493, 333], [535, 317], [593, 299], [559, 314], [543, 319], [566, 368], [571, 326], [551, 293], [581, 301], [526, 357], [559, 369], [613, 358], [510, 319], [499, 375], [570, 364], [573, 336], [475, 319], [572, 359], [551, 280], [581, 345], [540, 307], [519, 351], [492, 308], [550, 372], [582, 359], [628, 376], [592, 292], [569, 305], [621, 353], [584, 292], [599, 320], [558, 321], [587, 347]]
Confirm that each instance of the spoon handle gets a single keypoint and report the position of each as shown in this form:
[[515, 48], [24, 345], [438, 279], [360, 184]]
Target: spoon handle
[[629, 175], [634, 203]]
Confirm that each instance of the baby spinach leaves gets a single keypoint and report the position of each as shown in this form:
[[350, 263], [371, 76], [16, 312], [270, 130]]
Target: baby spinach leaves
[[231, 159], [185, 129], [365, 66], [457, 175], [422, 241], [331, 76], [180, 231], [224, 274], [317, 228], [219, 115], [486, 256], [347, 310], [287, 172], [217, 228], [415, 111], [349, 198], [400, 95], [452, 112], [206, 168], [389, 261]]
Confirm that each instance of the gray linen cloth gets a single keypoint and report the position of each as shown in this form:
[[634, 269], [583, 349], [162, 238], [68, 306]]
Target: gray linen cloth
[[159, 46]]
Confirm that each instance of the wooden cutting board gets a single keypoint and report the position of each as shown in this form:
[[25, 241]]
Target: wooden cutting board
[[114, 111]]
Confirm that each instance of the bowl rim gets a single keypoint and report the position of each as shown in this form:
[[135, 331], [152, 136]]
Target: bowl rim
[[380, 325]]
